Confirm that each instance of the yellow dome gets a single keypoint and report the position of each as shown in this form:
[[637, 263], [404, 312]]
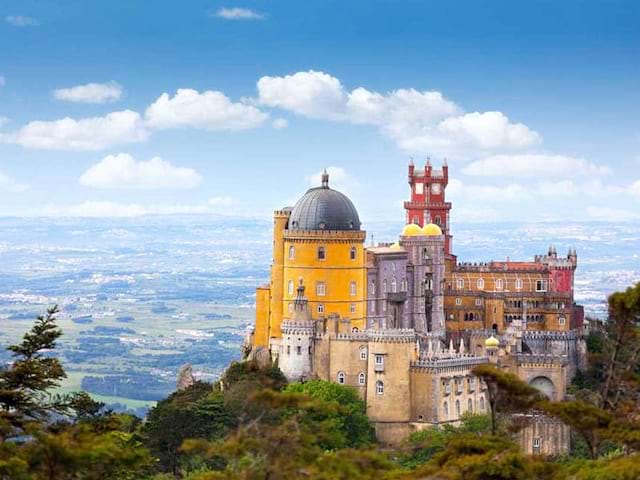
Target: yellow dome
[[492, 342], [411, 230], [395, 246], [431, 230]]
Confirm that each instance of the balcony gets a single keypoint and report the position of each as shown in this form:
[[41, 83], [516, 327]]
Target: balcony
[[397, 297]]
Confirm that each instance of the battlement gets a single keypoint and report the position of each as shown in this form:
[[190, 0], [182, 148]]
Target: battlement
[[541, 359], [331, 236], [550, 335], [402, 335], [297, 328], [461, 361]]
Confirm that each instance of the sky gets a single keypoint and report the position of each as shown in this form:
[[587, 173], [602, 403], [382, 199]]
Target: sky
[[129, 107]]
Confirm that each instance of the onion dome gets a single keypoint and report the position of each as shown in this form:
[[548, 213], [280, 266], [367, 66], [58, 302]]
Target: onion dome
[[492, 342], [431, 230], [411, 230], [323, 208]]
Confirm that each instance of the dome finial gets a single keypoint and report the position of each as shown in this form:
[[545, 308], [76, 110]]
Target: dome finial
[[325, 179]]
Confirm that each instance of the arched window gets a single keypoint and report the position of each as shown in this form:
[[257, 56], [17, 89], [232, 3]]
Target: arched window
[[322, 254], [457, 408], [482, 404], [499, 284], [353, 253], [425, 254], [353, 289], [466, 316], [384, 286], [394, 285], [470, 406], [373, 287], [362, 378], [290, 287], [471, 317], [480, 283], [292, 252], [445, 410], [363, 353], [519, 284], [460, 283], [438, 220], [379, 387], [341, 378], [403, 285], [393, 266]]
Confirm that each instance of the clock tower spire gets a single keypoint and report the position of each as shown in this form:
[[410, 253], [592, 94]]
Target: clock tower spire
[[427, 204]]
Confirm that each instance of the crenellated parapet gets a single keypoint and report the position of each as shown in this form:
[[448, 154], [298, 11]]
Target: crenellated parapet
[[398, 335], [442, 365], [333, 236], [541, 359], [297, 328]]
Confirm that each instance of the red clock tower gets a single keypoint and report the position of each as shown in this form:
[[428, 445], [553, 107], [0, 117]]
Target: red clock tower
[[427, 204]]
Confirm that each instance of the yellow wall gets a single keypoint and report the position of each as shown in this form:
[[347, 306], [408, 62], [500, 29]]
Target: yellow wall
[[261, 333], [336, 271], [280, 219]]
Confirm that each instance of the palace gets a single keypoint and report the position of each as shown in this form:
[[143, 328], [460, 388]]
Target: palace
[[405, 323]]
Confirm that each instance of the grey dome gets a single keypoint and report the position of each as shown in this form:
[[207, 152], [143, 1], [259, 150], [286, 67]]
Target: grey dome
[[322, 208]]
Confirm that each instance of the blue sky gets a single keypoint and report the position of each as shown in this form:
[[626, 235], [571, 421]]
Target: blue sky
[[135, 107]]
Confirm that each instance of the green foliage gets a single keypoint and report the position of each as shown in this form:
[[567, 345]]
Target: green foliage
[[195, 412], [350, 418], [620, 468], [423, 445]]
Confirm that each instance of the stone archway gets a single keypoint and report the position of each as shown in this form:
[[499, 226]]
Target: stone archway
[[545, 386]]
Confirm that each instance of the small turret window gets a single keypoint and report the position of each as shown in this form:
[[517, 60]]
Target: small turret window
[[341, 378], [292, 253], [353, 253], [321, 253], [380, 387]]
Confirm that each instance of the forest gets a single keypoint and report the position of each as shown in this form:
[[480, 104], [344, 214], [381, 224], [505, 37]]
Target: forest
[[252, 424]]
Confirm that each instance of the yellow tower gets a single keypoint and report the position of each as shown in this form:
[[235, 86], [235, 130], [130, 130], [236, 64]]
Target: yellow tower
[[318, 242]]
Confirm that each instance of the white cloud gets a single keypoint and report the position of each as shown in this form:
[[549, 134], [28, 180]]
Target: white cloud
[[312, 94], [3, 81], [85, 134], [418, 121], [280, 123], [21, 21], [105, 209], [239, 14], [11, 185], [3, 121], [531, 165], [210, 110], [634, 188], [90, 93], [123, 171], [612, 214], [220, 201]]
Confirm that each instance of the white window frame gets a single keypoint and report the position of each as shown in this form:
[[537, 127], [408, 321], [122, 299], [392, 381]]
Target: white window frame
[[379, 359], [290, 287], [380, 387], [342, 378], [353, 289], [363, 353], [373, 287], [460, 283], [541, 285], [478, 302], [362, 378], [321, 289], [394, 285], [480, 284], [519, 284], [499, 284], [458, 301], [562, 320], [292, 252], [320, 308], [353, 253]]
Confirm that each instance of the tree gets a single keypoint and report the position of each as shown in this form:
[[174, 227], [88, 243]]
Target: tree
[[26, 383], [350, 418], [506, 393]]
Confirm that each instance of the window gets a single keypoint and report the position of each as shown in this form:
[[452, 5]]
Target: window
[[353, 253], [541, 286], [288, 349], [355, 330], [322, 254], [373, 287], [438, 220], [290, 307], [445, 410], [394, 285], [478, 302], [561, 321], [499, 284], [290, 287], [362, 378], [403, 285], [341, 378], [419, 190], [458, 301], [320, 308], [321, 289], [393, 267], [480, 283], [292, 253], [460, 283], [470, 405], [458, 408], [519, 283], [482, 404], [471, 384], [428, 284], [384, 286], [373, 307], [363, 353], [352, 308], [379, 387], [425, 254], [379, 359], [537, 443], [299, 350]]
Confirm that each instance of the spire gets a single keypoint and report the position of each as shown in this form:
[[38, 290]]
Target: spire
[[411, 161], [461, 349], [428, 161], [451, 350], [325, 179], [445, 164]]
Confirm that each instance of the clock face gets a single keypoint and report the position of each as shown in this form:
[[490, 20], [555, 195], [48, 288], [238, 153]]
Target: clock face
[[435, 188]]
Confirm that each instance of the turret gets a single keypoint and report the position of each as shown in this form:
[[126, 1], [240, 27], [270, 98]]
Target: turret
[[296, 349]]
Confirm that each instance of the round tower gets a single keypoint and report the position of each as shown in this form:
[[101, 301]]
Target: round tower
[[296, 348]]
